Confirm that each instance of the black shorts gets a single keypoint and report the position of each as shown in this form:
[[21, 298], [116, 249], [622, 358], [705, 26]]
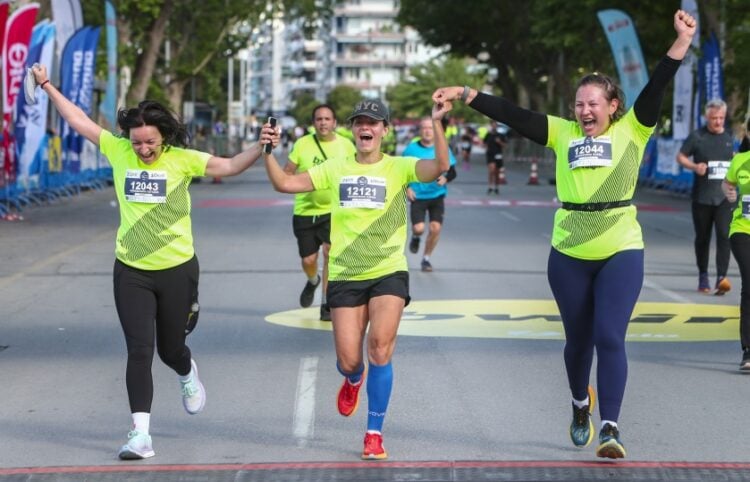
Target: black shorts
[[347, 294], [420, 207], [311, 232], [496, 158]]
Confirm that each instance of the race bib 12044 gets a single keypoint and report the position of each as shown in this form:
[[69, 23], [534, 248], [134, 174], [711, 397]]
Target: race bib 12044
[[590, 152]]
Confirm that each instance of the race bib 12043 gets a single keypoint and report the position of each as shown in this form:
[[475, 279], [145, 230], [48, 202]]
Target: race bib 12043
[[143, 186]]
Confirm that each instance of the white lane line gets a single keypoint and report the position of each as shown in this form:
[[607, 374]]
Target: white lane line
[[510, 216], [304, 409], [665, 292]]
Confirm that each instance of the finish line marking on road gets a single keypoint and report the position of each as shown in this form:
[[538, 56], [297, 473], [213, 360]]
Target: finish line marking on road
[[540, 320]]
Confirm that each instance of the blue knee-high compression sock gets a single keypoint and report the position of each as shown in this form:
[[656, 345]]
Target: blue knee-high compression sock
[[379, 384], [355, 377]]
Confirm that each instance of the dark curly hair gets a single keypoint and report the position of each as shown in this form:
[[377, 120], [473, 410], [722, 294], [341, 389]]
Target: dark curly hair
[[152, 113], [611, 91]]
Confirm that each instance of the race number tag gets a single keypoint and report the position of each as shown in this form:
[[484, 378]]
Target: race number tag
[[362, 192], [590, 152], [145, 186], [717, 170], [746, 206]]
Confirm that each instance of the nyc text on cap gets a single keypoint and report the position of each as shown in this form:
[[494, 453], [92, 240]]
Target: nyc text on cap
[[372, 108]]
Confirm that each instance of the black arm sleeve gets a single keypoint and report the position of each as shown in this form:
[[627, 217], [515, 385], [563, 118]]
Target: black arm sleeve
[[648, 103], [530, 124], [450, 174]]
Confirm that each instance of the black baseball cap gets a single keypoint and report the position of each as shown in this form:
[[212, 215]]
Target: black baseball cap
[[372, 108]]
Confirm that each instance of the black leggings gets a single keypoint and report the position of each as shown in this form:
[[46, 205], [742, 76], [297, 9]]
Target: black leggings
[[705, 218], [741, 249], [154, 305]]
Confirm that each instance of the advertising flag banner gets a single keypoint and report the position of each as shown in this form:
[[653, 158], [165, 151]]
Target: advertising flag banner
[[77, 84], [15, 53], [31, 120], [683, 121], [68, 18], [627, 53], [108, 107]]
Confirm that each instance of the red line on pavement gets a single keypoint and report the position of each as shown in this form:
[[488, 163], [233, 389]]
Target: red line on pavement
[[127, 467]]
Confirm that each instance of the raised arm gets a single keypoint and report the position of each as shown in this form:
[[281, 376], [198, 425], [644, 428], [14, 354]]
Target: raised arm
[[648, 103], [230, 166], [283, 181], [77, 118], [428, 169], [530, 124], [684, 25]]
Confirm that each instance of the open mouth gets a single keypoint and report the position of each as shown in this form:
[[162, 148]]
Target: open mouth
[[365, 137]]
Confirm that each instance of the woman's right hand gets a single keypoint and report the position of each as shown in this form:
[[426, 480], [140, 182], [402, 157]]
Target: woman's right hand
[[40, 73]]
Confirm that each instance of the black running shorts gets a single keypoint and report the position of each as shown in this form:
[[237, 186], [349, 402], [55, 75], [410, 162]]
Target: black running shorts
[[357, 293], [311, 232]]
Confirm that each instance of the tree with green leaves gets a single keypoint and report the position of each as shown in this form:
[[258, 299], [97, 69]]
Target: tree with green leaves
[[410, 99], [201, 34], [541, 47]]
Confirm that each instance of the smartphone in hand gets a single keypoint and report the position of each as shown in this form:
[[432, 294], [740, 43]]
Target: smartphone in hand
[[268, 147]]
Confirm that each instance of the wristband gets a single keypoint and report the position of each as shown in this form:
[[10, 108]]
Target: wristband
[[41, 86], [465, 94]]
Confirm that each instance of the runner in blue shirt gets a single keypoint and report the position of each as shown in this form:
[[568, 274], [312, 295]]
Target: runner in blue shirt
[[427, 197]]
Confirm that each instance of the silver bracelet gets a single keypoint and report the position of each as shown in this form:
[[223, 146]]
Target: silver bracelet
[[465, 94]]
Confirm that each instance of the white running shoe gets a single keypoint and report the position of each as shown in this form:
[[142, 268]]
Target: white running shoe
[[193, 393], [29, 87], [138, 447]]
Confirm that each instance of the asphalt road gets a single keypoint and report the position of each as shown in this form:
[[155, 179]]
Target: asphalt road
[[472, 383]]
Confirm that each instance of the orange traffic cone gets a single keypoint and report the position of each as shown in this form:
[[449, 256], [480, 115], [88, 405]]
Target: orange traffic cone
[[534, 175], [501, 176]]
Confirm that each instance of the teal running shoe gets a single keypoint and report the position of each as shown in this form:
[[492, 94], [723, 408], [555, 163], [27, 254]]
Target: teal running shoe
[[610, 446], [582, 428]]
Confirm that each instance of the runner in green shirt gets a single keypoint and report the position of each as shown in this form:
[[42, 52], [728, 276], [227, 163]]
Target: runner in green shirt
[[156, 270], [595, 266], [312, 210], [368, 275]]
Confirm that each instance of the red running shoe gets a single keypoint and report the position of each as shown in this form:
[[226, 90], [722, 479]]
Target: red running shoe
[[374, 447], [723, 286], [348, 397]]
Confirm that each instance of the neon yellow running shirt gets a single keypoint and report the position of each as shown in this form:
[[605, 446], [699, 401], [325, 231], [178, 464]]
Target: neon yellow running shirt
[[155, 230], [739, 175], [306, 154], [368, 215], [602, 169]]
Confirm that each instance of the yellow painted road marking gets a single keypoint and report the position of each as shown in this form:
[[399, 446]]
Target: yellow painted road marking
[[540, 320]]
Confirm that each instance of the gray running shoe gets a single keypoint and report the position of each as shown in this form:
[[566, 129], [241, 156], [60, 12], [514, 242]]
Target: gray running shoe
[[138, 447], [193, 392]]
